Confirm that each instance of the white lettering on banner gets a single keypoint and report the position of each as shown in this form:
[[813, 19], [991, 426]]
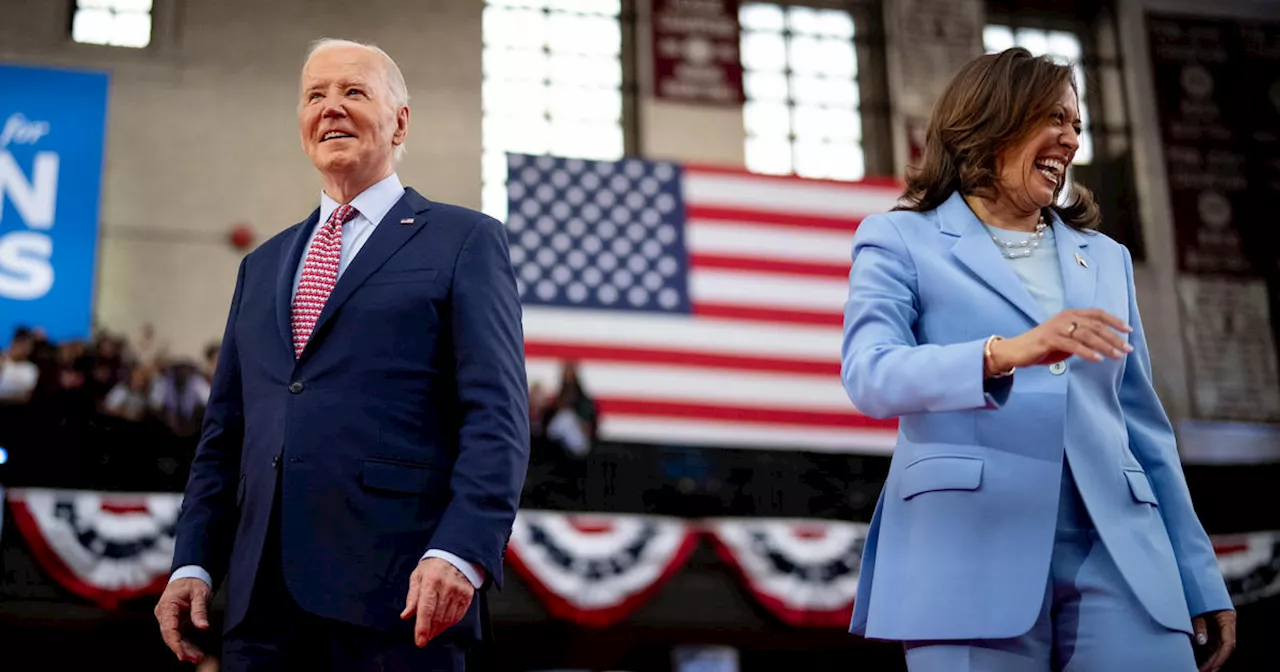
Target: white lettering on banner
[[34, 200], [26, 272], [22, 132]]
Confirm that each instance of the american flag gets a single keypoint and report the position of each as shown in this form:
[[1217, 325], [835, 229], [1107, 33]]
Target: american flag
[[703, 305]]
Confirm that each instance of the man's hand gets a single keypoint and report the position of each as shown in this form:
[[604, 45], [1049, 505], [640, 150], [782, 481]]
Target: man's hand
[[1216, 628], [182, 599], [440, 595]]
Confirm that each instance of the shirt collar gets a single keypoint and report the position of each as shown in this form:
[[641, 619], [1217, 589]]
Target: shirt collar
[[373, 203]]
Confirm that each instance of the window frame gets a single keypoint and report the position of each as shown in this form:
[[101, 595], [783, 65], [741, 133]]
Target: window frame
[[627, 91], [873, 105], [74, 9]]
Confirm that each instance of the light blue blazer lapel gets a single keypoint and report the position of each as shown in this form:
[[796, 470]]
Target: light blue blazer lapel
[[977, 252], [1079, 272]]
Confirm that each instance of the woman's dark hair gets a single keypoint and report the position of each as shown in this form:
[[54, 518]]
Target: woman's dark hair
[[995, 102]]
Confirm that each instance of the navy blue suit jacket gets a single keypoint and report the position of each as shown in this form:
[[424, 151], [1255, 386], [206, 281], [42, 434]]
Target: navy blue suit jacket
[[403, 426]]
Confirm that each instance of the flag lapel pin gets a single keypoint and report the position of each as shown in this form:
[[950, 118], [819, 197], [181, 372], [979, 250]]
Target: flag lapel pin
[[409, 220]]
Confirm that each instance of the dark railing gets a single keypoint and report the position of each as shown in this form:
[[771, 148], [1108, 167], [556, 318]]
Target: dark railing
[[97, 452]]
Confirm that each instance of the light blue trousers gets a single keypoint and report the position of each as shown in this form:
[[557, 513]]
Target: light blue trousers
[[1090, 622]]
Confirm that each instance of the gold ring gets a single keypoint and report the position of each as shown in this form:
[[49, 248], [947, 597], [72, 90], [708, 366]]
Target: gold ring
[[1072, 329]]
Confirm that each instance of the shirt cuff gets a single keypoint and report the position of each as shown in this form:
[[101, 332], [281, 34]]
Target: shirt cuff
[[191, 572], [473, 573]]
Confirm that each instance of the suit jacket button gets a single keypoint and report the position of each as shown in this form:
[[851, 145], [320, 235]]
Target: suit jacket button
[[1056, 368], [295, 387]]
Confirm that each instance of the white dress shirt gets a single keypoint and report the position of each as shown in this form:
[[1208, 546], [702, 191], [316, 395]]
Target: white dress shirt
[[17, 379], [372, 204]]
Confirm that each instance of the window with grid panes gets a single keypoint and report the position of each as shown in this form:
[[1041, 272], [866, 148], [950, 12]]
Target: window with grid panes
[[114, 23], [800, 74], [552, 85]]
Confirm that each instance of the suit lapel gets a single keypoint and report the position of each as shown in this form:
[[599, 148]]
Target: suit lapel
[[388, 236], [976, 251], [291, 256], [1079, 273]]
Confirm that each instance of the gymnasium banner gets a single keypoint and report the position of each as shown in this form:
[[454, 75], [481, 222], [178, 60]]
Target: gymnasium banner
[[52, 123]]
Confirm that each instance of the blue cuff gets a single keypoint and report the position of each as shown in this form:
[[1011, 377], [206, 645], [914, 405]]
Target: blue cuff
[[191, 572], [473, 573]]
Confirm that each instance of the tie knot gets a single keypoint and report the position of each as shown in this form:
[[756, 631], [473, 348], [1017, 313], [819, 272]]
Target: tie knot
[[342, 215]]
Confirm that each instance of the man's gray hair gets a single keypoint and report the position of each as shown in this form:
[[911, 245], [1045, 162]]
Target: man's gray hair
[[395, 80]]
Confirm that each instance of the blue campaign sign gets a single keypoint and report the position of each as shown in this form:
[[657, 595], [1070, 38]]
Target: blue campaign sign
[[51, 134]]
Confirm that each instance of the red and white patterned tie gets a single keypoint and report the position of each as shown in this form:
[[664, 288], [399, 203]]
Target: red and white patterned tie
[[319, 275]]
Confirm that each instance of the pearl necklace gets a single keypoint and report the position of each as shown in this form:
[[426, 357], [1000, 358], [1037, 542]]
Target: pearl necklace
[[1017, 249]]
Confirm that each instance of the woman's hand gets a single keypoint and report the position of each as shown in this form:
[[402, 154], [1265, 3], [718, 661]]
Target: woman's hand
[[1092, 334], [1219, 629]]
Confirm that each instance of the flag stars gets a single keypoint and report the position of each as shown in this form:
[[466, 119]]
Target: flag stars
[[597, 234]]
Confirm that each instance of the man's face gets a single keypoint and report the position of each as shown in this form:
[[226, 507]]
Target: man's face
[[348, 123]]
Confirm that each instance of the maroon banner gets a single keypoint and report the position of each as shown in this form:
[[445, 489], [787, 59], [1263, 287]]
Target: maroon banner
[[1218, 102], [695, 51]]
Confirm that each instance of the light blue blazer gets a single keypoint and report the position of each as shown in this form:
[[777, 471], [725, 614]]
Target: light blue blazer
[[960, 543]]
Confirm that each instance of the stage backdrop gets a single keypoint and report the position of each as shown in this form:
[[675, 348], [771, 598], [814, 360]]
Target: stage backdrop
[[51, 135], [704, 304]]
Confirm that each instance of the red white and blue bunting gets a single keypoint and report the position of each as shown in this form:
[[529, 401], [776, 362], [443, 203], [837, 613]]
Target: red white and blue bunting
[[596, 569], [105, 547], [803, 571], [593, 570], [1250, 564]]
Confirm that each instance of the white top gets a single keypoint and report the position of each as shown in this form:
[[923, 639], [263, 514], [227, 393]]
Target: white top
[[1042, 276], [17, 379], [1040, 272]]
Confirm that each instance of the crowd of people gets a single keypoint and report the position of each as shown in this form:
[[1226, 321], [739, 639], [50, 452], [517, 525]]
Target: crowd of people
[[138, 381], [132, 379]]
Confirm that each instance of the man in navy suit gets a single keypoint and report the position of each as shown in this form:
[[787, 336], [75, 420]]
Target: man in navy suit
[[366, 439]]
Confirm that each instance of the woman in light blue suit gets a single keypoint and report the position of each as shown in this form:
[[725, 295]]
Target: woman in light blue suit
[[1035, 516]]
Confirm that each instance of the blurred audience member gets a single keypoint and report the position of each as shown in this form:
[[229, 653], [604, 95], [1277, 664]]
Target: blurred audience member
[[109, 364], [129, 400], [573, 423], [179, 397], [539, 405], [18, 374], [62, 385], [147, 349], [211, 359]]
